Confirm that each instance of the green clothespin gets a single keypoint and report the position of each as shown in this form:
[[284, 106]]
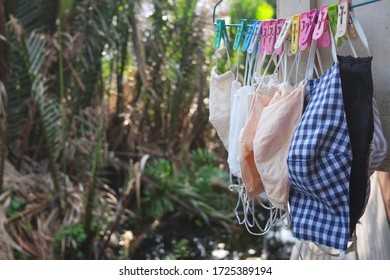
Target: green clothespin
[[332, 15], [240, 34], [221, 33]]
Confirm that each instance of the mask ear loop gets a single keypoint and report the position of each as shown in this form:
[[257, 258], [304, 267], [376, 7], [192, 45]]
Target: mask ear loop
[[292, 67], [310, 61], [268, 65], [279, 64], [238, 64], [227, 56], [259, 66], [361, 34], [247, 58]]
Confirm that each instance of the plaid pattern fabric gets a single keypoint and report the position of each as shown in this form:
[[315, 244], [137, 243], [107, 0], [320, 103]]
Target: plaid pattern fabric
[[319, 165]]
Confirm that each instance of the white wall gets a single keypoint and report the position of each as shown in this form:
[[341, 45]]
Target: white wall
[[375, 20]]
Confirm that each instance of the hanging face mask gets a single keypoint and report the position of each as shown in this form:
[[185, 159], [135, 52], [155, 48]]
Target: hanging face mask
[[272, 141], [220, 98], [357, 87], [220, 103], [319, 164], [241, 102], [250, 176]]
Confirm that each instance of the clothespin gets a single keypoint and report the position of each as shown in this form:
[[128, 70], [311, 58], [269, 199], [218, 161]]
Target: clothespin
[[264, 37], [322, 31], [271, 37], [352, 33], [248, 35], [308, 22], [279, 27], [342, 18], [294, 34], [286, 30], [221, 34], [332, 16], [255, 37], [239, 34]]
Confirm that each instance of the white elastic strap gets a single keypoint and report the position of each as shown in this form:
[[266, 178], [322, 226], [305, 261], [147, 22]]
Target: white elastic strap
[[250, 70], [254, 68], [292, 67], [360, 32], [278, 64], [228, 57], [310, 61], [247, 58], [268, 65], [240, 197], [297, 67], [285, 66], [259, 66], [352, 48], [322, 249], [238, 63], [334, 52], [319, 61]]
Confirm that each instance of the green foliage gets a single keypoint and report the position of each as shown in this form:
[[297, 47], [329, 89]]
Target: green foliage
[[251, 9], [69, 234], [16, 205], [180, 251], [195, 189]]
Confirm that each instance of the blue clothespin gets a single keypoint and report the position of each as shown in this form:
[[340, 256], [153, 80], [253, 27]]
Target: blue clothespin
[[221, 34], [248, 35], [240, 34]]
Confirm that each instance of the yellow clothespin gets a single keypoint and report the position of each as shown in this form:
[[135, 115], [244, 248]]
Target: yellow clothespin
[[295, 34]]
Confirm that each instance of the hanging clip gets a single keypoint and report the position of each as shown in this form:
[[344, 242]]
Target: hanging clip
[[294, 34], [286, 30], [239, 34], [248, 35], [221, 34], [279, 27], [255, 37], [342, 18], [322, 31], [332, 16], [271, 37], [308, 22], [264, 37], [351, 31]]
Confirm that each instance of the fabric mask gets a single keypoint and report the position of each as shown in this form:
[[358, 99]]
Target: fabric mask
[[250, 176], [319, 165], [240, 108], [272, 141], [220, 103], [357, 87]]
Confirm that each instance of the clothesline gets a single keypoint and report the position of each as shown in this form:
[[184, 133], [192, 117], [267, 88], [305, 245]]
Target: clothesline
[[237, 25]]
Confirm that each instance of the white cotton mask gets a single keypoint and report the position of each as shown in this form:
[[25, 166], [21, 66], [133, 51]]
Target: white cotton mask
[[241, 100], [220, 103]]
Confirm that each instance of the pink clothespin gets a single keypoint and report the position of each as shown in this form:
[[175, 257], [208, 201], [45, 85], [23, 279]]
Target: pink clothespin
[[279, 27], [271, 37], [308, 22], [322, 31], [264, 36]]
